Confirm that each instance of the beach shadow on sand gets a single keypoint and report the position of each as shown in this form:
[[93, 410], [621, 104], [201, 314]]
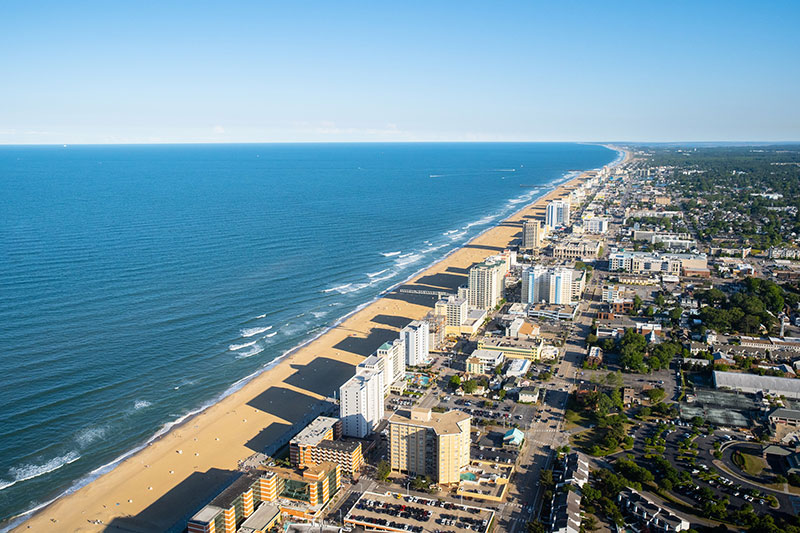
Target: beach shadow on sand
[[284, 403], [392, 321], [321, 376], [168, 513], [367, 346], [485, 247], [457, 270], [424, 300], [267, 436], [442, 281]]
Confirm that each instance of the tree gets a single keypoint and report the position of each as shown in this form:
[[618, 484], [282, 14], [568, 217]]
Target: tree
[[455, 381], [545, 376], [655, 395], [591, 339], [502, 394], [469, 386], [384, 469]]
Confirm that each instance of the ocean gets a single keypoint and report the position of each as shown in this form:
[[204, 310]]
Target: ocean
[[139, 284]]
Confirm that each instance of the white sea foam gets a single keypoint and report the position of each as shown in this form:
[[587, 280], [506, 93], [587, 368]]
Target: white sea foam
[[410, 259], [262, 316], [250, 332], [268, 335], [234, 347], [319, 314], [373, 274], [390, 254], [141, 404], [341, 289], [90, 435], [30, 471], [255, 350]]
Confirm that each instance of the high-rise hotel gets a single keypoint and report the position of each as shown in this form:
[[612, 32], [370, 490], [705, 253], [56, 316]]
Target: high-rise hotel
[[557, 213], [430, 444]]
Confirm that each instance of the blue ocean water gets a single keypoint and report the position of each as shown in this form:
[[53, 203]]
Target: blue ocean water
[[138, 283]]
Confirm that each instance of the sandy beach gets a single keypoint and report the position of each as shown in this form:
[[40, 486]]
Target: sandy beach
[[156, 488]]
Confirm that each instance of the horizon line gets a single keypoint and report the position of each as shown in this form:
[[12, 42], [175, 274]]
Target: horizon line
[[599, 143]]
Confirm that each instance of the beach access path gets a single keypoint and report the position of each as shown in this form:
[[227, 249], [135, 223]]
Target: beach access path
[[154, 489]]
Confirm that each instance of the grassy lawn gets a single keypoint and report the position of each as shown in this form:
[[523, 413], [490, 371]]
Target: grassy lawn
[[750, 463], [574, 419]]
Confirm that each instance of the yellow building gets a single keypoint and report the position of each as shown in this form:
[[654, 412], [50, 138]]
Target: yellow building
[[513, 348], [255, 500], [320, 441], [430, 444]]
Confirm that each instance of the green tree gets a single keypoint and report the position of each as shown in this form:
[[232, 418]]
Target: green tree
[[655, 395], [469, 386], [455, 381], [384, 469]]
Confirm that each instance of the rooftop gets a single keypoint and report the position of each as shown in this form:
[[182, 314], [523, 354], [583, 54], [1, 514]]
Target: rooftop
[[314, 433], [442, 423], [766, 383]]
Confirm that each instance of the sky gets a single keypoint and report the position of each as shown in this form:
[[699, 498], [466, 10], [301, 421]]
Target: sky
[[340, 71]]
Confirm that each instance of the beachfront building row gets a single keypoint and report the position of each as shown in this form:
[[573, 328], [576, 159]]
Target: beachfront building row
[[430, 444], [321, 442], [256, 499], [557, 214]]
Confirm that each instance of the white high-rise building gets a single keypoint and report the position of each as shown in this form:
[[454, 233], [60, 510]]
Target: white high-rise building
[[361, 402], [547, 285], [416, 337], [486, 284], [557, 213], [596, 225], [393, 355]]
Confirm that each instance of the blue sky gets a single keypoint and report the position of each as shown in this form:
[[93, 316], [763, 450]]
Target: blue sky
[[105, 72]]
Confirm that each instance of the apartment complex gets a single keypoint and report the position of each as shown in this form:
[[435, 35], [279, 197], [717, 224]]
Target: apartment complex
[[416, 337], [431, 444], [552, 285], [319, 442], [532, 235], [557, 215], [361, 402], [486, 284], [393, 355], [596, 225], [256, 499]]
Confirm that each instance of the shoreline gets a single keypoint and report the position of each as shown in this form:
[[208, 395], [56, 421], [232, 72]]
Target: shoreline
[[149, 480]]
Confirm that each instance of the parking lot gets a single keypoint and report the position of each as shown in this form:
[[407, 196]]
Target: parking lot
[[399, 512]]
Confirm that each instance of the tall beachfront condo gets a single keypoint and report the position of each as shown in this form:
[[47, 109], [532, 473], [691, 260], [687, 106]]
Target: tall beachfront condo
[[361, 403], [393, 355], [416, 337], [430, 444], [547, 285], [557, 213], [531, 235], [486, 284]]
